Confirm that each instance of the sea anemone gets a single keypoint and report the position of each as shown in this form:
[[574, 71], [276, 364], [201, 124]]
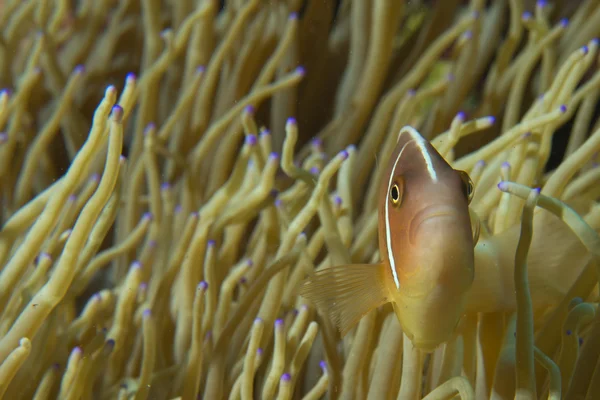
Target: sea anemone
[[171, 171]]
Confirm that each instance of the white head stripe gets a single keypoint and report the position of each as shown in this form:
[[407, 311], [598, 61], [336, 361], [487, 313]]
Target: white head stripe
[[421, 145], [420, 142], [388, 233]]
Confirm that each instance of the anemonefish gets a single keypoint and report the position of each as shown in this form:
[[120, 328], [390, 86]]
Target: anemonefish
[[426, 244]]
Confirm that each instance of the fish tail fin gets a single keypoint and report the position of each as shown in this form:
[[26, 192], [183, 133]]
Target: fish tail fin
[[346, 292], [556, 256]]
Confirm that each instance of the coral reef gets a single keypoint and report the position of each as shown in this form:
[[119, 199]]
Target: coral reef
[[170, 171]]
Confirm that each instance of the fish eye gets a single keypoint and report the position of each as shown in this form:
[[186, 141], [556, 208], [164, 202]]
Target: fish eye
[[395, 194], [468, 186]]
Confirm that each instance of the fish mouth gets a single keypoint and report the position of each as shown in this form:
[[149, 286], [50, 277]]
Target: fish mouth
[[434, 213]]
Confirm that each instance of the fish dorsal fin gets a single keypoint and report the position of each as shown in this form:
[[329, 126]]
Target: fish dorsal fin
[[346, 293]]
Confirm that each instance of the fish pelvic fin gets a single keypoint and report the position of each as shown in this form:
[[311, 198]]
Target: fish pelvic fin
[[346, 293]]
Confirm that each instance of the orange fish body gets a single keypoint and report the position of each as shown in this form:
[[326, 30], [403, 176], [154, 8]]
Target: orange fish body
[[425, 239], [426, 245]]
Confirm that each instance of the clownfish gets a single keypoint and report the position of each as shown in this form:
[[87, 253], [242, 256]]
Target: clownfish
[[426, 244]]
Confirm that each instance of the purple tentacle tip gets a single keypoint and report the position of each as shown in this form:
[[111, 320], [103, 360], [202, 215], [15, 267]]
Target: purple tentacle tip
[[568, 332], [79, 69], [77, 349], [538, 190], [278, 203], [461, 115], [110, 342], [211, 243], [292, 121], [323, 365], [411, 92], [294, 15], [203, 285], [563, 108], [584, 49], [526, 15], [130, 77], [502, 186], [344, 154], [117, 109], [480, 163], [286, 377], [468, 34], [279, 322], [491, 119], [300, 70], [314, 170], [136, 265], [265, 132], [337, 200], [250, 109], [251, 140], [316, 142], [596, 41], [165, 186], [149, 128], [250, 263], [147, 313], [201, 69], [564, 22], [542, 3], [258, 320], [505, 164]]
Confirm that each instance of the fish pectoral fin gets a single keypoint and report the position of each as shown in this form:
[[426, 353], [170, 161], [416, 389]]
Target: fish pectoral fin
[[346, 292], [475, 226]]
